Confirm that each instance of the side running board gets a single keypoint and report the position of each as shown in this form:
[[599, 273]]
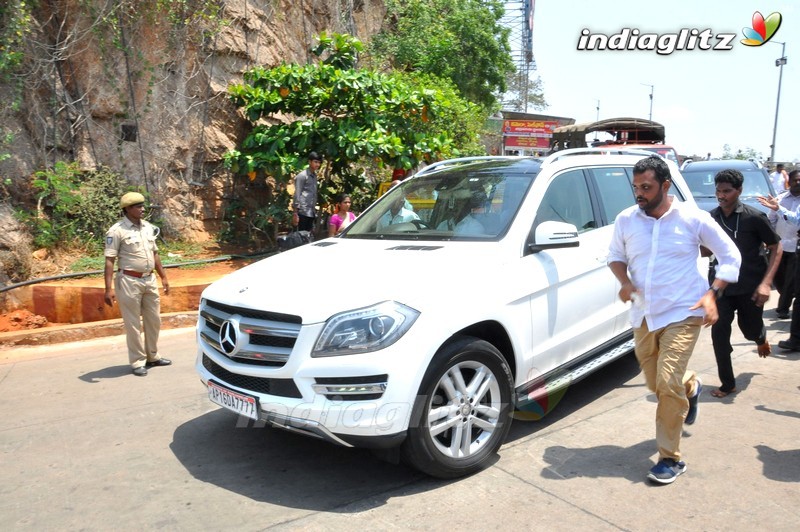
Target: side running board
[[544, 391]]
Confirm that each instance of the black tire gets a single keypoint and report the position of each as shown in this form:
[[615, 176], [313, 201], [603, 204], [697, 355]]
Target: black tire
[[467, 386]]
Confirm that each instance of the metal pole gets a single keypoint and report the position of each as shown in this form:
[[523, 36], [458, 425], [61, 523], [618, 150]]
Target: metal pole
[[778, 63], [651, 98], [598, 118]]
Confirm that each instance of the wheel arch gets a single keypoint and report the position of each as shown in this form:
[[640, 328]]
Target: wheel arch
[[493, 332]]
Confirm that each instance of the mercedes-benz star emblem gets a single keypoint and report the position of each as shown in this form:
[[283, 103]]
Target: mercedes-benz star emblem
[[228, 337]]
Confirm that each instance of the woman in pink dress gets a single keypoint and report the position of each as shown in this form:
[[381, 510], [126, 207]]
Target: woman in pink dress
[[343, 217]]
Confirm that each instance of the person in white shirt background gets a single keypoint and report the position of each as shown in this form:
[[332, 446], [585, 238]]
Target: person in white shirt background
[[780, 179], [785, 276]]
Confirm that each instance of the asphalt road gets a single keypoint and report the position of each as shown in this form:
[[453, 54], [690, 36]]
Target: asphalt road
[[87, 446]]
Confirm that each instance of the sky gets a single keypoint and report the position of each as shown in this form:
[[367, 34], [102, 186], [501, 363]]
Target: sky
[[704, 98]]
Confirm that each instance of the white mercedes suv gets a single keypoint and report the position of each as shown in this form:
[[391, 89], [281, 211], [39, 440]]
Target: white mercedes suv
[[465, 296]]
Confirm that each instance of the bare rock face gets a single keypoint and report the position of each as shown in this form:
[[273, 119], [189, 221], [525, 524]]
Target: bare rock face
[[148, 96], [15, 255]]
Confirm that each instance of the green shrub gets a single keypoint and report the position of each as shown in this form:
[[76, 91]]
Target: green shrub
[[74, 207]]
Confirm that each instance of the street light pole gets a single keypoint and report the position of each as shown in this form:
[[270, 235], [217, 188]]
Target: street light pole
[[651, 99], [598, 118], [778, 63]]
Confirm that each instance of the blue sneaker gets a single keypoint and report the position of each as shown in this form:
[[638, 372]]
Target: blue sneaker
[[691, 415], [666, 471]]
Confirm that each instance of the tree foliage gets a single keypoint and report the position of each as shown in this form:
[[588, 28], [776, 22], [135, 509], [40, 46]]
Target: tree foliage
[[349, 115], [743, 154], [342, 112], [461, 40], [15, 24], [74, 207], [524, 94]]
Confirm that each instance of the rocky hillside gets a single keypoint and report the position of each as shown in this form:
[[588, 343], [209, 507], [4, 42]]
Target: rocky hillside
[[139, 86]]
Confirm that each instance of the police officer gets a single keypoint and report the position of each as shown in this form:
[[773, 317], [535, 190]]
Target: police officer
[[133, 240]]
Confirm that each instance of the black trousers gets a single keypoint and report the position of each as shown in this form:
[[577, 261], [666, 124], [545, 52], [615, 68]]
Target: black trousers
[[785, 281], [751, 323], [305, 223]]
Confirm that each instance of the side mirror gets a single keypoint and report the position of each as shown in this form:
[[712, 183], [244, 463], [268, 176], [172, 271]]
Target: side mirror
[[550, 235]]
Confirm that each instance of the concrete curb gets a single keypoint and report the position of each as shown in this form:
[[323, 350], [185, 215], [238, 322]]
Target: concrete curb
[[85, 331]]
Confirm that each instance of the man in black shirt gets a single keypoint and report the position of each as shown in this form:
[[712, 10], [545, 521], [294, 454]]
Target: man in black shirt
[[751, 231]]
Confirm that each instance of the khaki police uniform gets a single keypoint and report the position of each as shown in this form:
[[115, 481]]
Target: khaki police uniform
[[136, 286]]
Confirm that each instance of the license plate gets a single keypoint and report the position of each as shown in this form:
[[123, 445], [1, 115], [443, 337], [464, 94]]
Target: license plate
[[235, 401]]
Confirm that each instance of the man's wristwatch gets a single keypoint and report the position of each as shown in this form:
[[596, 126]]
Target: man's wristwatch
[[715, 290]]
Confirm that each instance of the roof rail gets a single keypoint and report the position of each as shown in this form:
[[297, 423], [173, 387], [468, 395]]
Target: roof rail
[[600, 150], [450, 163]]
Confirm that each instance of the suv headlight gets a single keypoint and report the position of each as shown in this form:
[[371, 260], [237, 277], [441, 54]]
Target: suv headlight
[[363, 330]]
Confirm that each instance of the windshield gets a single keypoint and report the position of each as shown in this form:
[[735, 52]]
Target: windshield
[[701, 183], [456, 204]]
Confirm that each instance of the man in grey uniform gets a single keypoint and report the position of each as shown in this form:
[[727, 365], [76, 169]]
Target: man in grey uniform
[[304, 200], [133, 241]]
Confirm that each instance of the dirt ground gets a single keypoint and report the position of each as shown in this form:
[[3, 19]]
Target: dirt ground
[[17, 320], [23, 319]]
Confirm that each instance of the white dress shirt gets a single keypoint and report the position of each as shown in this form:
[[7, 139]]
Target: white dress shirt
[[662, 254], [785, 226], [778, 181], [403, 215]]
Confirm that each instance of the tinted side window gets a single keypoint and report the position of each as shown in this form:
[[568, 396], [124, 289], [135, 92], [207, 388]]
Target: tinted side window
[[567, 200], [615, 191]]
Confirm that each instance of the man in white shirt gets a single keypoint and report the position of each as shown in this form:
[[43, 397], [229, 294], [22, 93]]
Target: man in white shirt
[[467, 223], [780, 179], [396, 214], [653, 254], [784, 277]]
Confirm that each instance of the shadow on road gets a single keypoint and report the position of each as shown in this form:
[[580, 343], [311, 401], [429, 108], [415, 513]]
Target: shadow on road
[[783, 466], [617, 462], [787, 413], [111, 372], [278, 467], [562, 405]]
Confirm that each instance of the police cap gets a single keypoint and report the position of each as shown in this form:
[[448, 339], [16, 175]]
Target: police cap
[[130, 198]]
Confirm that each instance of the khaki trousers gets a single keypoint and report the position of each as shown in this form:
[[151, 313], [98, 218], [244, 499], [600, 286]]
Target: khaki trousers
[[140, 306], [664, 355]]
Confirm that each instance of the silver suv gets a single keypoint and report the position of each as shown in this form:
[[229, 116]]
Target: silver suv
[[465, 295]]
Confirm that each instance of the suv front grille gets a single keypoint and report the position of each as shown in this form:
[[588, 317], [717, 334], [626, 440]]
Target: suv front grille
[[262, 338], [255, 314], [279, 387]]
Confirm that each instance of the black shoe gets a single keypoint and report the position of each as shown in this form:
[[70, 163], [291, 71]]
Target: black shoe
[[789, 345], [159, 362], [783, 314], [140, 372]]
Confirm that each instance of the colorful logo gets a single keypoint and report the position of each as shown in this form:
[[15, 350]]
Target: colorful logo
[[762, 30]]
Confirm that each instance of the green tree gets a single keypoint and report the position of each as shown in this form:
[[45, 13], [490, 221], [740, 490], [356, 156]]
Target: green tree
[[74, 207], [744, 154], [524, 94], [345, 113], [460, 40]]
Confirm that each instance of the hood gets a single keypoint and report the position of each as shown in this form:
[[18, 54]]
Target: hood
[[318, 280]]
